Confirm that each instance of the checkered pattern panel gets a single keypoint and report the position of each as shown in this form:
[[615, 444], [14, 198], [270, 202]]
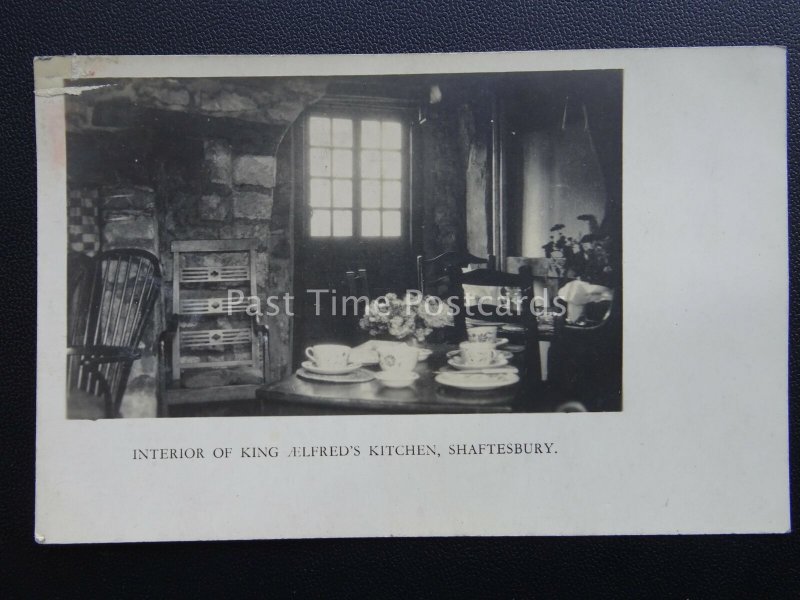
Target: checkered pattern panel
[[82, 224]]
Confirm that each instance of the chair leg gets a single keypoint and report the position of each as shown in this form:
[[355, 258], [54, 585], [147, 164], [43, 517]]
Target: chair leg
[[265, 357], [163, 375]]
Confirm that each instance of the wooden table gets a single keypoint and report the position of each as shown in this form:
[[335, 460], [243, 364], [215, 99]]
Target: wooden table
[[296, 396]]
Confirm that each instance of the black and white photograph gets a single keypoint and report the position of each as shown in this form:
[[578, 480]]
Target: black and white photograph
[[344, 245], [375, 296]]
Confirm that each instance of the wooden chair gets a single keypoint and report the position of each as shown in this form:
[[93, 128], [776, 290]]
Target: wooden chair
[[111, 298], [347, 328], [217, 344], [525, 317], [433, 274], [358, 283], [585, 360]]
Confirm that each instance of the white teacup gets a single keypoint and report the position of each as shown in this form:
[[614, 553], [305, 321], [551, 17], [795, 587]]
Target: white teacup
[[329, 356], [398, 358], [484, 333], [477, 354]]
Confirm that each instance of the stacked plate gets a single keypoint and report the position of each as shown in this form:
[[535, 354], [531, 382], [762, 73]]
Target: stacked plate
[[478, 380], [457, 355], [495, 375], [352, 373]]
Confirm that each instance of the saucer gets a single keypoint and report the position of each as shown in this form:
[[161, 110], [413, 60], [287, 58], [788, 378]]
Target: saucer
[[497, 342], [312, 368], [396, 380], [458, 363], [477, 381], [514, 348], [357, 376], [504, 353]]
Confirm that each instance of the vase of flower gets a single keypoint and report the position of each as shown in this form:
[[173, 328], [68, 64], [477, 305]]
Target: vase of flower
[[411, 318]]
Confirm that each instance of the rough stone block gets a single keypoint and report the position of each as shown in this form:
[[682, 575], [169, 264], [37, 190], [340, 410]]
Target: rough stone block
[[258, 230], [166, 268], [139, 400], [251, 169], [225, 101], [213, 208], [169, 95], [218, 161], [119, 229], [252, 205], [138, 198]]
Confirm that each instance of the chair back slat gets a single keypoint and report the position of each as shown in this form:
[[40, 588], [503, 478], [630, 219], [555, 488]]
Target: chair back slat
[[435, 272], [486, 277], [531, 367], [112, 297], [205, 274], [358, 283]]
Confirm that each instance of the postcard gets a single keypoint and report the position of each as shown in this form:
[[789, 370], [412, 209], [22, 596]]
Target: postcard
[[486, 294]]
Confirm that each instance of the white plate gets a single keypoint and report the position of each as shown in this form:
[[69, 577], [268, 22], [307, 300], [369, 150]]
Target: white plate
[[458, 363], [497, 342], [478, 323], [477, 381], [357, 376], [513, 328], [312, 368], [504, 353]]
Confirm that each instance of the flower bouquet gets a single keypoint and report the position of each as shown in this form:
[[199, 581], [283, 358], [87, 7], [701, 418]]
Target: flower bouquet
[[412, 317]]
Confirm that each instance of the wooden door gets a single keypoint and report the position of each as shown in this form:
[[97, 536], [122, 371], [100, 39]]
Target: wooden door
[[353, 213]]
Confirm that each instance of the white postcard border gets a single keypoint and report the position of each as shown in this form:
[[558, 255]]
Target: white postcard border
[[700, 447]]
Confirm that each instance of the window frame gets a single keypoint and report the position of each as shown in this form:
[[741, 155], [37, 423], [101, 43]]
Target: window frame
[[357, 113]]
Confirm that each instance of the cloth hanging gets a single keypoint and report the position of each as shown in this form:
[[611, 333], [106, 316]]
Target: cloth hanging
[[562, 179], [577, 187]]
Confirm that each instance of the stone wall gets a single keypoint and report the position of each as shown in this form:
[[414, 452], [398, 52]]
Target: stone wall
[[280, 276], [190, 159], [221, 191]]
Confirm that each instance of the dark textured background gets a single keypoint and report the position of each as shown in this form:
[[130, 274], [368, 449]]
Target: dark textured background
[[685, 567]]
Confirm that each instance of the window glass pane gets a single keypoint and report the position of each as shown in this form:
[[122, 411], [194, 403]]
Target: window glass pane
[[331, 197], [342, 223], [371, 164], [370, 134], [391, 223], [342, 193], [392, 165], [319, 131], [343, 133], [320, 162], [342, 163], [370, 223], [391, 194], [320, 225], [392, 136], [370, 193], [320, 193]]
